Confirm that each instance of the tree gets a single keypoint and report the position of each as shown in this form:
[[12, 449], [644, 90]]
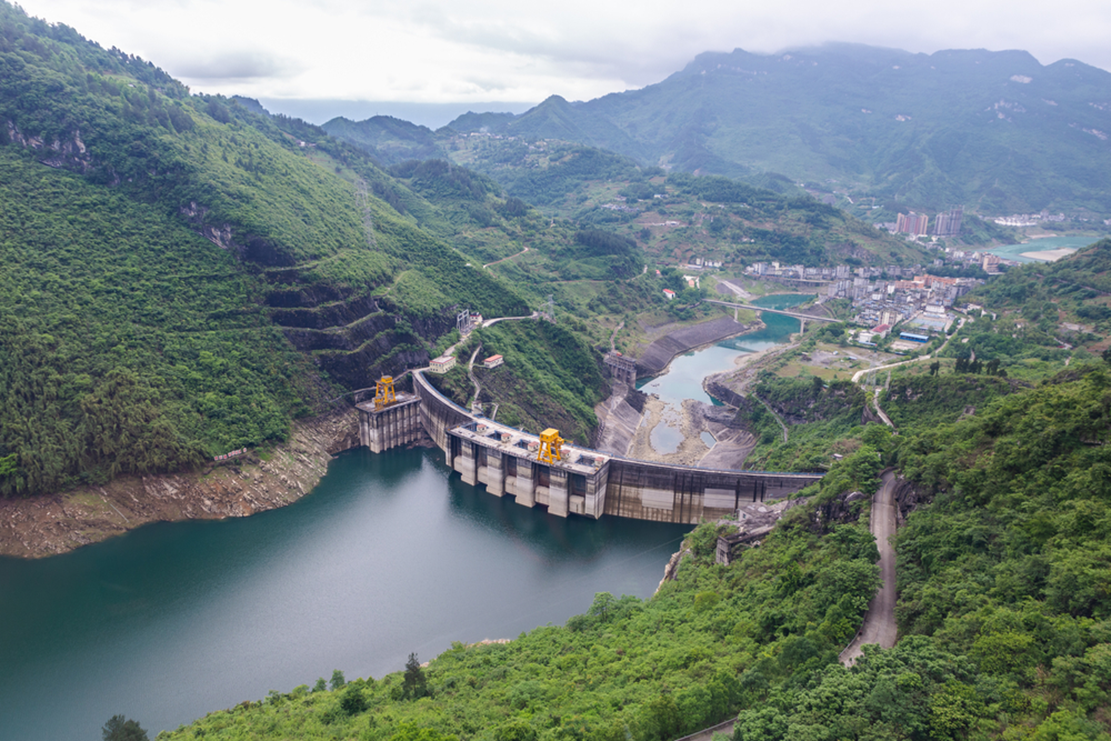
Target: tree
[[935, 367], [119, 728], [337, 680], [414, 685], [602, 606], [352, 700]]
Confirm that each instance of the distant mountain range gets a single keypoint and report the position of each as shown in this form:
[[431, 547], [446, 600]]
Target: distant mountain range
[[995, 131]]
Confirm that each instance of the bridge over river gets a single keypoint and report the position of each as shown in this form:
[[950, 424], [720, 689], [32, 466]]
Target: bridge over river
[[583, 482], [795, 314]]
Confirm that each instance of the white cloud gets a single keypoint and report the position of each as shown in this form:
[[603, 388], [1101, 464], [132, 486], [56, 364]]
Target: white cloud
[[501, 50]]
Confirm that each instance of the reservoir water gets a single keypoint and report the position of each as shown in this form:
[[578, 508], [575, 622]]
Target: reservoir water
[[1015, 251], [389, 555]]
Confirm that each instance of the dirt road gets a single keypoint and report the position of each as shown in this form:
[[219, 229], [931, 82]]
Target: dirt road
[[879, 626]]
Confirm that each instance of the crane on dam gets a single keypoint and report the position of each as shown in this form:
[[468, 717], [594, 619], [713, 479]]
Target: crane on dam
[[551, 446], [384, 394]]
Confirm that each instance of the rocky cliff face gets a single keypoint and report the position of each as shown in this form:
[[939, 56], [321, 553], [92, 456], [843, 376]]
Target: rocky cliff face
[[70, 154], [44, 526]]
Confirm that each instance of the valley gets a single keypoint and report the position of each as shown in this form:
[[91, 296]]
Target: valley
[[196, 294]]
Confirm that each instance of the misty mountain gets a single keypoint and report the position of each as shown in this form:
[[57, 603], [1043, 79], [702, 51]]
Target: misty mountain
[[390, 140], [995, 131]]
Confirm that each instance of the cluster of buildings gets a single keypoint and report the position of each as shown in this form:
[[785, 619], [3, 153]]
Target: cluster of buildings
[[838, 272], [882, 297], [945, 224], [1029, 219], [444, 363], [698, 263], [922, 302]]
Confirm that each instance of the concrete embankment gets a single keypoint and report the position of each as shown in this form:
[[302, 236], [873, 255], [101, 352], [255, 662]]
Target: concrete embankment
[[658, 354], [49, 525]]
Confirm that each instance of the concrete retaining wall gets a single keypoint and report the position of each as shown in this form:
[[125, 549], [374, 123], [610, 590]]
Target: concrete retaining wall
[[657, 355], [438, 414]]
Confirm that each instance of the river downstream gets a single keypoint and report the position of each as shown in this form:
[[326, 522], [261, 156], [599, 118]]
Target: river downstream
[[389, 555], [683, 378]]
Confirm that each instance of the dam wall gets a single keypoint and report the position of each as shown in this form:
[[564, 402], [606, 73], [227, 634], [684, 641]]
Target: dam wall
[[438, 414], [586, 482], [643, 490]]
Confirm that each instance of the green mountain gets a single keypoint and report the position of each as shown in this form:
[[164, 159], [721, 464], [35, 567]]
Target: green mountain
[[389, 140], [184, 275], [995, 131]]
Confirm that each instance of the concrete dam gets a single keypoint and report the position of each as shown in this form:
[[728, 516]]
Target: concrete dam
[[580, 481]]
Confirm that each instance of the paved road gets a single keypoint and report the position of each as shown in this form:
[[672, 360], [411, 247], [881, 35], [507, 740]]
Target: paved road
[[489, 322], [879, 625], [470, 374], [937, 353], [879, 411]]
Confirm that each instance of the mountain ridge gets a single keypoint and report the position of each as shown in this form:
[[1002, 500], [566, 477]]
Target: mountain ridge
[[986, 129]]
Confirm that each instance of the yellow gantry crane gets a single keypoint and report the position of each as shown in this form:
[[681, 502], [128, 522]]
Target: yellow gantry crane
[[551, 445], [384, 394]]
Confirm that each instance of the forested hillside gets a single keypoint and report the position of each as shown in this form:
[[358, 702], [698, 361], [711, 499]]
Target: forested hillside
[[1074, 291], [674, 215], [128, 344]]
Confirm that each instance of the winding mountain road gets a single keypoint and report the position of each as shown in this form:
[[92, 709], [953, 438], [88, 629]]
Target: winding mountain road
[[879, 624]]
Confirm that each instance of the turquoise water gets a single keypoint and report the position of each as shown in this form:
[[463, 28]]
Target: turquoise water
[[391, 554], [1014, 251], [683, 378]]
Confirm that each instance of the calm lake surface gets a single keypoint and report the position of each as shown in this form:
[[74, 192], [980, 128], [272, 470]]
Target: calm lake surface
[[389, 555]]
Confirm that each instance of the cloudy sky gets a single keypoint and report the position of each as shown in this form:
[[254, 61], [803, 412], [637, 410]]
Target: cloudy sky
[[514, 51]]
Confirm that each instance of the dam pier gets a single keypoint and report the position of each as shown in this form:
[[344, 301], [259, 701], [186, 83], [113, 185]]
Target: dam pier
[[567, 479]]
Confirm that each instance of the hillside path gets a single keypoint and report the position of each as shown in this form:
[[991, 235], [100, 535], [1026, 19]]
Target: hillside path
[[613, 336], [879, 623], [470, 374], [495, 262], [879, 411], [491, 322]]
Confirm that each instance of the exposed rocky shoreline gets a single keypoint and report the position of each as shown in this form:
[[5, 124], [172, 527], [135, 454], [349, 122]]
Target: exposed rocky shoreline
[[49, 525]]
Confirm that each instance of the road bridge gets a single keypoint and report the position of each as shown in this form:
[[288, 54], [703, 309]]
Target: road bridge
[[795, 314]]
